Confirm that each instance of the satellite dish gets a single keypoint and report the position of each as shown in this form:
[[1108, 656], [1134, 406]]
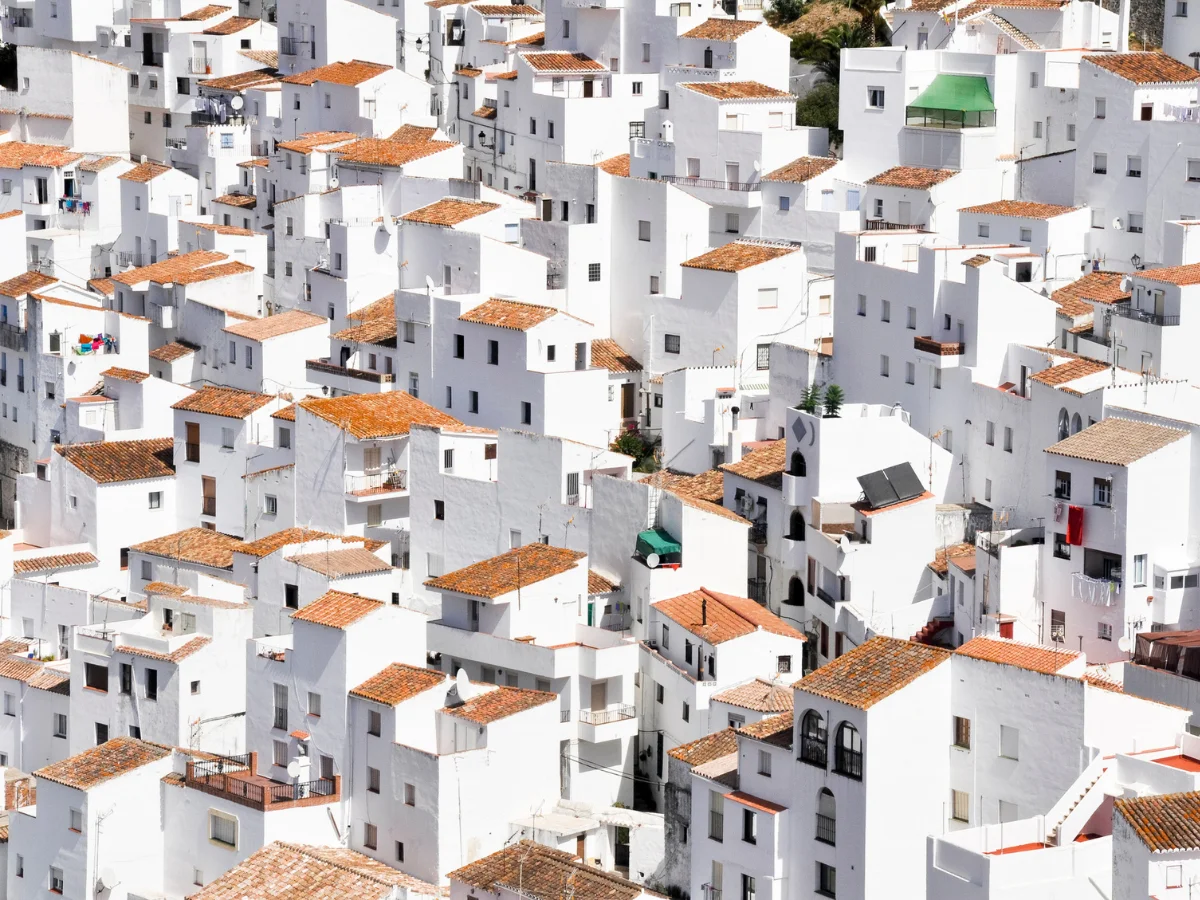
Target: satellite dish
[[333, 183], [388, 224], [237, 102], [294, 768], [1123, 644], [652, 561]]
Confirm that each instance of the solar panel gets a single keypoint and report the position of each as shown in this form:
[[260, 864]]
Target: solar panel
[[905, 481], [878, 490]]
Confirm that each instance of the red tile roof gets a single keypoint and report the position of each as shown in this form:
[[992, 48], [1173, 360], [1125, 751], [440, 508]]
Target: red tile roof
[[608, 354], [350, 73], [109, 760], [382, 152], [736, 90], [559, 61], [287, 322], [1183, 276], [759, 695], [706, 749], [483, 709], [337, 609], [872, 672], [341, 563], [1166, 822], [803, 169], [721, 29], [912, 177], [398, 683], [544, 874], [1045, 660], [449, 211], [508, 314], [738, 255], [389, 414], [1117, 442], [722, 617], [110, 462], [53, 562], [1020, 209], [764, 465], [1104, 287], [503, 574], [201, 546], [615, 165], [1144, 68]]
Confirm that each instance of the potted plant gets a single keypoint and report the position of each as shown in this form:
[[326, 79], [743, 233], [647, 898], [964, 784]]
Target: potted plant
[[811, 399], [834, 397]]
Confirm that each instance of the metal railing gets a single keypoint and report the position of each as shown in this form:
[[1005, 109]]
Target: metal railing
[[710, 892], [1124, 311], [826, 829], [884, 225], [564, 715], [617, 713], [555, 281], [12, 337], [756, 589], [848, 762], [289, 46], [199, 65], [758, 533], [377, 482], [711, 183], [222, 765], [637, 129], [827, 597], [206, 117], [176, 143], [129, 258], [814, 750]]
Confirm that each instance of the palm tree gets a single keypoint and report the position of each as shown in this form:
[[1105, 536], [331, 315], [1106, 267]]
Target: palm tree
[[827, 52]]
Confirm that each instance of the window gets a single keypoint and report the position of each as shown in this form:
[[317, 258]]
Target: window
[[1008, 439], [410, 794], [643, 230], [1062, 550], [1010, 739], [1102, 491], [658, 693], [960, 806], [1071, 133], [10, 704], [848, 754], [884, 365], [764, 763], [279, 753], [826, 880], [885, 310], [460, 346], [1181, 11], [291, 600], [666, 637], [370, 836], [637, 89], [56, 880], [439, 509], [1100, 163], [785, 203], [593, 271], [126, 673], [1104, 631], [937, 379], [532, 125], [670, 343], [374, 722], [962, 732], [372, 780], [60, 725], [687, 712], [763, 360], [910, 373], [733, 223], [1037, 129], [862, 304], [1133, 167], [654, 284], [473, 401], [1062, 485], [1193, 170], [716, 815], [76, 819], [1139, 570], [222, 829], [875, 98], [314, 704], [95, 677], [984, 230], [227, 436], [869, 254], [1026, 235], [768, 298], [910, 321], [1101, 108]]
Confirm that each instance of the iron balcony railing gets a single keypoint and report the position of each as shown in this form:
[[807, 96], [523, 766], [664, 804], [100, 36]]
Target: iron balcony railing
[[756, 589], [813, 750], [710, 892], [290, 46], [711, 183], [758, 533], [377, 482], [607, 716], [152, 58], [199, 65], [848, 762], [1124, 311], [826, 596], [826, 829]]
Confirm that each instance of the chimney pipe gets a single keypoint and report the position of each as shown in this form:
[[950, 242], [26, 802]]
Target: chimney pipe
[[1123, 32], [703, 610]]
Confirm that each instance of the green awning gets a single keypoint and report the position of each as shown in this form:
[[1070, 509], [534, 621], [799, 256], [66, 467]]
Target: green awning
[[963, 93], [657, 541]]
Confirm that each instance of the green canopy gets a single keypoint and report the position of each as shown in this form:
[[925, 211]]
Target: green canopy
[[963, 93], [657, 541]]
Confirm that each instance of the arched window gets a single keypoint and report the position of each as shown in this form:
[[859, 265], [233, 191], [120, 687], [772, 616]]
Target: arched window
[[1076, 424], [826, 817], [799, 467], [796, 525], [813, 738], [795, 594], [1064, 424], [848, 755]]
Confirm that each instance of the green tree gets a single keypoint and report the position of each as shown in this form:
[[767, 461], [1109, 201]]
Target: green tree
[[834, 397], [819, 108], [784, 11], [811, 399]]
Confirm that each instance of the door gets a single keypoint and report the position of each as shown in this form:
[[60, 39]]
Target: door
[[628, 396], [200, 58], [371, 457], [708, 57], [904, 215], [852, 201], [732, 173], [1148, 112], [474, 604], [209, 495], [43, 190], [580, 357], [923, 39], [599, 695], [1006, 630], [533, 168], [588, 87], [1159, 304], [962, 331], [580, 845]]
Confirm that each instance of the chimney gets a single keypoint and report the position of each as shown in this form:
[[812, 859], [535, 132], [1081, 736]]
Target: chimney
[[733, 447], [1123, 28], [703, 609]]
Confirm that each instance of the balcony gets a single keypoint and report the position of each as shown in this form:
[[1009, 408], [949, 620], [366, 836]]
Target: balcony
[[758, 533], [826, 829], [884, 225], [756, 590], [229, 117], [848, 762], [827, 597], [129, 258], [617, 713], [370, 484], [1125, 311], [710, 892], [152, 58], [235, 779], [939, 348], [199, 65], [290, 46], [329, 368], [813, 750], [12, 337], [685, 181]]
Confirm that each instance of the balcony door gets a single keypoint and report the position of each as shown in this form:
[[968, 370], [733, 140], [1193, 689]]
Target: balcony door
[[599, 695], [370, 460]]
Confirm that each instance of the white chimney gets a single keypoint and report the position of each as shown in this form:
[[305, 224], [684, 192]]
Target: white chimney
[[1123, 28]]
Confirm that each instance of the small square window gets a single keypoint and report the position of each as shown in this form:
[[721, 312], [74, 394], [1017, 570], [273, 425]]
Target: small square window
[[593, 271], [875, 98], [670, 343]]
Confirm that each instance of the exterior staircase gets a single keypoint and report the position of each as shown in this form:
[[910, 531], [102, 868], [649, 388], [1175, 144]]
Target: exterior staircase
[[931, 629]]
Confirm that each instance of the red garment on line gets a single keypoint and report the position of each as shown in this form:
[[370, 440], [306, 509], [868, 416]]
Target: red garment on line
[[1075, 525]]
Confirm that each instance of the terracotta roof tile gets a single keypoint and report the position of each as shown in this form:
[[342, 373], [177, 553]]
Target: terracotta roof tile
[[913, 177], [1020, 209], [872, 671], [615, 165], [941, 560], [52, 681], [204, 13], [179, 654], [125, 374], [23, 284], [116, 757], [1117, 442], [485, 112], [269, 58], [508, 314], [413, 134], [598, 584], [738, 255], [376, 324], [543, 873], [207, 273], [53, 563], [99, 164], [382, 152], [501, 76], [764, 465], [803, 169], [1144, 68], [280, 539], [241, 201], [483, 709], [287, 322], [229, 403], [736, 90], [695, 502], [706, 749], [388, 414], [102, 286], [709, 485], [1165, 822], [163, 587], [721, 29], [201, 546], [171, 352], [449, 211], [144, 172], [497, 576], [1103, 287], [1068, 371], [350, 73], [171, 269], [759, 695], [726, 617], [255, 162], [281, 870], [398, 683], [341, 563], [756, 802], [977, 261], [19, 669], [16, 154], [337, 609], [608, 354], [560, 61], [240, 81], [318, 140], [1180, 275], [1045, 660], [287, 414], [111, 462], [232, 25], [224, 229]]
